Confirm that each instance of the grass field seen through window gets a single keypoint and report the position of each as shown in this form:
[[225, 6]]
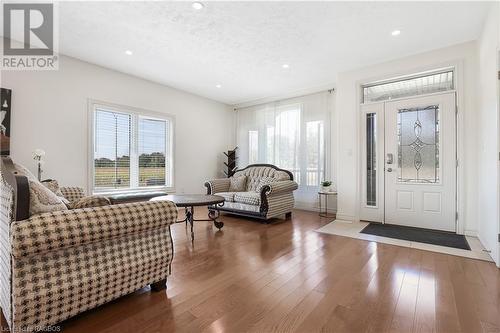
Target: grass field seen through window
[[108, 177]]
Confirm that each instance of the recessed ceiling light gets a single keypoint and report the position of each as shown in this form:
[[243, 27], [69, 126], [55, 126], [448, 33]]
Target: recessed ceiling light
[[396, 32], [218, 86], [285, 66], [197, 5], [128, 52]]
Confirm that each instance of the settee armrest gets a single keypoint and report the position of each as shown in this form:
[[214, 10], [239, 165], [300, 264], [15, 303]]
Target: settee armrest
[[217, 185], [281, 186], [47, 232]]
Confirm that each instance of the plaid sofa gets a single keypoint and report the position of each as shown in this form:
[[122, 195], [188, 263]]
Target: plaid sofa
[[56, 265], [272, 200]]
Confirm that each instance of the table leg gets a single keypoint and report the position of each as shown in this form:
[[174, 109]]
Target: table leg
[[213, 215], [190, 218], [319, 197]]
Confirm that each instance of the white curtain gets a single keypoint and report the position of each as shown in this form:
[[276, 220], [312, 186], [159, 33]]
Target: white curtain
[[293, 134]]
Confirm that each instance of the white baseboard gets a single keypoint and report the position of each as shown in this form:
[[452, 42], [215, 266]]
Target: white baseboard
[[491, 254], [311, 207]]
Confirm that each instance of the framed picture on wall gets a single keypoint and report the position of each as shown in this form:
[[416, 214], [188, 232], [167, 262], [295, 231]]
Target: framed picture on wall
[[5, 116]]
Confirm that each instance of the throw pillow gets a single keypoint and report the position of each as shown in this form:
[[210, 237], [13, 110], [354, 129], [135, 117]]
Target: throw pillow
[[24, 172], [43, 200], [73, 193], [263, 182], [238, 184], [90, 201], [53, 185]]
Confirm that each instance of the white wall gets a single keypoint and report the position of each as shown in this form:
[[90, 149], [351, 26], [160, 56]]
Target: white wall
[[487, 90], [348, 117], [49, 110]]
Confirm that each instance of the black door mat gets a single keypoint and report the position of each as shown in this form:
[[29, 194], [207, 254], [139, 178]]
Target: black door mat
[[435, 237]]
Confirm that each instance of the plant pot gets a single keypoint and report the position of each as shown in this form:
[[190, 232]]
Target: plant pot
[[325, 188]]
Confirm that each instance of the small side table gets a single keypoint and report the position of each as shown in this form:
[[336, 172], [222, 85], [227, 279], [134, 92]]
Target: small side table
[[325, 195]]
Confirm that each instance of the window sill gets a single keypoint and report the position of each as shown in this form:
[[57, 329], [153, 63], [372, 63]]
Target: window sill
[[133, 196], [111, 191]]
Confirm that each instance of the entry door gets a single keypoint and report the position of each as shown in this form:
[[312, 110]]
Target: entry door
[[420, 162]]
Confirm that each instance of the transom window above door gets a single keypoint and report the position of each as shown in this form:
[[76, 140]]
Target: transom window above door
[[413, 85], [131, 150]]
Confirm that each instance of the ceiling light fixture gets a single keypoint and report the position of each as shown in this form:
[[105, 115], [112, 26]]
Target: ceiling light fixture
[[396, 32], [218, 86], [128, 52], [197, 5], [285, 66]]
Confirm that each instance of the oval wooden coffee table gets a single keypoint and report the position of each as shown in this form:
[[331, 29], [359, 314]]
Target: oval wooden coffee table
[[189, 201]]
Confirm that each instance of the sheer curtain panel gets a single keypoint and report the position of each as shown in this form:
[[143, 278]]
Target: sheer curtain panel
[[293, 134]]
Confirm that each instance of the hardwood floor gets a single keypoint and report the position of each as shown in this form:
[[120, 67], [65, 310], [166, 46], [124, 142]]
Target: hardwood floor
[[285, 277]]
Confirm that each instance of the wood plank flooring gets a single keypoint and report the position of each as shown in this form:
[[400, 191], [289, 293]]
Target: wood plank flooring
[[285, 277]]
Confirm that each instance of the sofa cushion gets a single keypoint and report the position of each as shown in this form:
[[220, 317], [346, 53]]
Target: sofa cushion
[[43, 200], [251, 198], [228, 196], [238, 206], [238, 184]]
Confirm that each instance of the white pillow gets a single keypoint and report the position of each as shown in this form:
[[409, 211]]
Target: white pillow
[[53, 185], [24, 172], [43, 200]]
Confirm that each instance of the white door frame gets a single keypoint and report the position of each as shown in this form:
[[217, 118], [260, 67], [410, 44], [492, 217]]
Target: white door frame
[[498, 161], [374, 213], [458, 69]]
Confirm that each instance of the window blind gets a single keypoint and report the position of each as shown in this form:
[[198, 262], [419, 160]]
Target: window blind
[[112, 149], [152, 151], [418, 84]]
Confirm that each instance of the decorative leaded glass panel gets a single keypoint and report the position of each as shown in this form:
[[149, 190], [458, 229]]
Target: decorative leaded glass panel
[[418, 145]]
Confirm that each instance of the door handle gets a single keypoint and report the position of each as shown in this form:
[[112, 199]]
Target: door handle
[[390, 158]]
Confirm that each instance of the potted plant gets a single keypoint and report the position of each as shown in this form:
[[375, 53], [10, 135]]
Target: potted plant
[[325, 185]]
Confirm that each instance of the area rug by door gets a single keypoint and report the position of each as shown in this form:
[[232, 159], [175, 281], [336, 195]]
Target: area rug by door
[[427, 236]]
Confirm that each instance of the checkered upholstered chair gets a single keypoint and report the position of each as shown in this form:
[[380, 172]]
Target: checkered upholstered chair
[[56, 265], [266, 192]]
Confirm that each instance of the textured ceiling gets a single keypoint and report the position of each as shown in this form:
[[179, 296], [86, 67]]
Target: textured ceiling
[[242, 45]]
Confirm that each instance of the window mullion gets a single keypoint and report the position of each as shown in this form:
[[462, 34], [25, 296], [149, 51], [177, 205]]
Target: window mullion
[[168, 154], [134, 158]]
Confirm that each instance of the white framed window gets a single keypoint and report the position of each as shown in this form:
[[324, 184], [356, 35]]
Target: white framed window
[[413, 85], [130, 150], [315, 152]]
